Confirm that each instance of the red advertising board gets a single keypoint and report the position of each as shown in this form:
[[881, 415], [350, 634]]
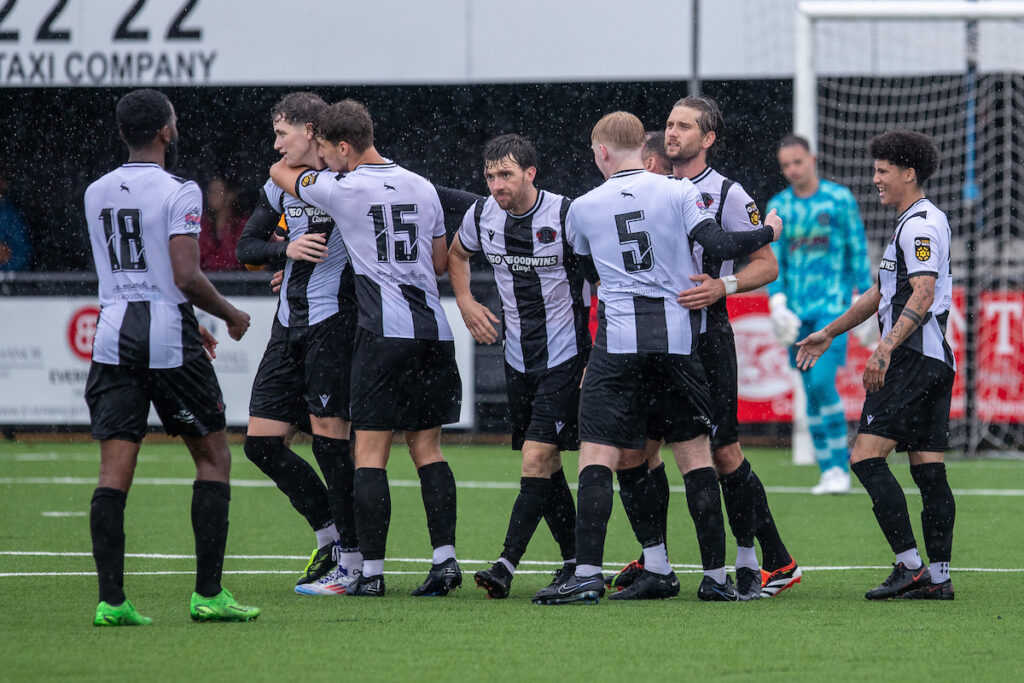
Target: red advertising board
[[1000, 382], [765, 380]]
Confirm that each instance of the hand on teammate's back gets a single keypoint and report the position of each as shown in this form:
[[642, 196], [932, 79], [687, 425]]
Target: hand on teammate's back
[[708, 291], [238, 324], [275, 282], [774, 221], [310, 247]]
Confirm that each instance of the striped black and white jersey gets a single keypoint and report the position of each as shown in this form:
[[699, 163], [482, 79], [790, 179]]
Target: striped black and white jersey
[[389, 218], [132, 213], [540, 285], [310, 292], [919, 246], [637, 228], [735, 211]]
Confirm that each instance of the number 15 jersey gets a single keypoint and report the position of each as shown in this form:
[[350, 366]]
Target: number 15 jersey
[[388, 218], [132, 213]]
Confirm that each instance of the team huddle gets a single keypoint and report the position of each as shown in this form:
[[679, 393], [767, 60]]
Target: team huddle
[[361, 347]]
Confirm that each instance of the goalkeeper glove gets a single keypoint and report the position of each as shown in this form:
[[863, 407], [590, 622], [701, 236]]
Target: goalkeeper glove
[[785, 323]]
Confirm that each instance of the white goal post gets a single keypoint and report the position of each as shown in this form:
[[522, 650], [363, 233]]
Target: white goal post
[[954, 70], [805, 92]]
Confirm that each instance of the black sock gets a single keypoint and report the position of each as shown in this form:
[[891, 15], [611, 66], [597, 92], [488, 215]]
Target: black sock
[[888, 502], [560, 515], [595, 507], [738, 496], [372, 511], [106, 524], [774, 554], [335, 460], [437, 487], [705, 503], [639, 499], [660, 478], [527, 512], [210, 501], [939, 509], [295, 477]]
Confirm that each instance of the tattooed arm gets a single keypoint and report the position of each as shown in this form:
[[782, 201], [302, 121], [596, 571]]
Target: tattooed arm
[[910, 319]]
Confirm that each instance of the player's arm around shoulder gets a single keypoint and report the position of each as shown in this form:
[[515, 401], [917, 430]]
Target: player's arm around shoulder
[[301, 183]]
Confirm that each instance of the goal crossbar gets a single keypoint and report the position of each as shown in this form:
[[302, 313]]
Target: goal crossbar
[[805, 115]]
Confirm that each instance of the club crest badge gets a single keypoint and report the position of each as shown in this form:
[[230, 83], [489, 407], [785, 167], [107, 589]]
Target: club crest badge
[[546, 235], [753, 213], [922, 248]]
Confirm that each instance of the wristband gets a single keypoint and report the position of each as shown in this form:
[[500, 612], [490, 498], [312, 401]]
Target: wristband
[[731, 284]]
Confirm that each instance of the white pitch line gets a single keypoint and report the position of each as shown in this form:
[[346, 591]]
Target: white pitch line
[[684, 568], [55, 513], [410, 483]]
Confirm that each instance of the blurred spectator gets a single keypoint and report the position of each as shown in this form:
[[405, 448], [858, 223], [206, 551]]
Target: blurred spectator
[[15, 248], [223, 221]]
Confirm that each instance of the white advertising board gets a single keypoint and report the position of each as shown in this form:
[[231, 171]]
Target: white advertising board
[[46, 342], [101, 43]]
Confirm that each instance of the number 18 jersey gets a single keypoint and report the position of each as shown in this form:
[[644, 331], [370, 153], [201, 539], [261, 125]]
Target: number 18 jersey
[[388, 218], [630, 225], [132, 213]]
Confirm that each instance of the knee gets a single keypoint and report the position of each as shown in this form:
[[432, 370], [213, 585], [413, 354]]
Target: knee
[[260, 449], [727, 459]]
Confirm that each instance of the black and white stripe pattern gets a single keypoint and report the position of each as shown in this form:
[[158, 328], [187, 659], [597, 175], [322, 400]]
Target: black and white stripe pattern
[[637, 228], [132, 213], [919, 247], [310, 292], [539, 283], [735, 211], [388, 218]]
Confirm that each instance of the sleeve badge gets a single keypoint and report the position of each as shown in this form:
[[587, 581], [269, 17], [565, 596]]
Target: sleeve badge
[[753, 213], [308, 179], [922, 248]]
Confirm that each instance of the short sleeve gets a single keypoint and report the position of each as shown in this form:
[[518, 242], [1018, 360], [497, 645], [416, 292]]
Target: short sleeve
[[919, 242], [275, 195], [315, 187], [186, 210], [437, 229], [692, 206], [740, 212], [469, 236], [580, 244]]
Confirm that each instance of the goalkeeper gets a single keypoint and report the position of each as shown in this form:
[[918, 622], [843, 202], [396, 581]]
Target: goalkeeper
[[822, 260]]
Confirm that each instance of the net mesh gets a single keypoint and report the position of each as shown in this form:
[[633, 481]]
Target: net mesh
[[852, 108]]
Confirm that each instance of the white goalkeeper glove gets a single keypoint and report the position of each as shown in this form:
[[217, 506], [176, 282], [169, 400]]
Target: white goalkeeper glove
[[785, 323], [867, 333]]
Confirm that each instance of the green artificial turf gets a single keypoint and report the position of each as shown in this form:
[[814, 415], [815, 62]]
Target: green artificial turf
[[821, 628]]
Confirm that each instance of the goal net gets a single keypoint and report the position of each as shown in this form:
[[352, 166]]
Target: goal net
[[955, 71]]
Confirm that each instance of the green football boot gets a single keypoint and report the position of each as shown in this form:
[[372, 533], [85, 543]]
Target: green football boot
[[119, 615], [221, 607]]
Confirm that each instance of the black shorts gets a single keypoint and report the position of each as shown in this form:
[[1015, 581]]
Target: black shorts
[[188, 400], [544, 406], [912, 407], [408, 384], [305, 371], [717, 351], [628, 396]]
